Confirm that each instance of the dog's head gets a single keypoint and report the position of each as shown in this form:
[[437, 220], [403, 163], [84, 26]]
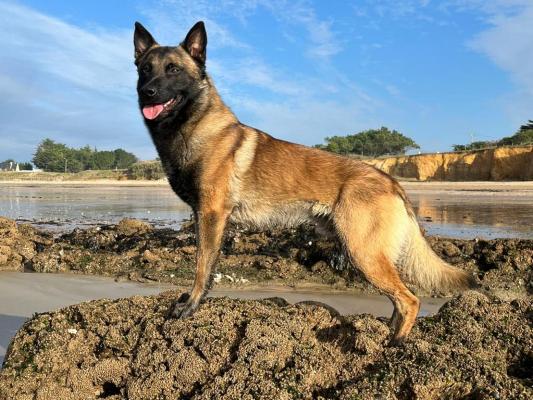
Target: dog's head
[[169, 77]]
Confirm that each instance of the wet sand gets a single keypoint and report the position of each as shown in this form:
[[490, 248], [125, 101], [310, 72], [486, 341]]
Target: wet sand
[[23, 294], [516, 188]]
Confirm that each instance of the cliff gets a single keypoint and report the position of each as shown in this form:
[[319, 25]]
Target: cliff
[[499, 164]]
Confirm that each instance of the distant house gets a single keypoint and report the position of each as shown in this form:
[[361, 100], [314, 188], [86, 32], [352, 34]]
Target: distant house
[[9, 165], [13, 166]]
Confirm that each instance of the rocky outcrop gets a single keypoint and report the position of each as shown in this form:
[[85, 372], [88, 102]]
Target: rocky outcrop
[[476, 347], [300, 257], [499, 164], [18, 244]]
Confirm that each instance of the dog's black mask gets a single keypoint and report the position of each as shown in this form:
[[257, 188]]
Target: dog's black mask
[[169, 77]]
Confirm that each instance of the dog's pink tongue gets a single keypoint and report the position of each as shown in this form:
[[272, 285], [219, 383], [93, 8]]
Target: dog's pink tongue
[[151, 112]]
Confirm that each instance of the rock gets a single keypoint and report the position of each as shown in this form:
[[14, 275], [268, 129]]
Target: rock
[[131, 227], [290, 257], [150, 256], [18, 244], [475, 347]]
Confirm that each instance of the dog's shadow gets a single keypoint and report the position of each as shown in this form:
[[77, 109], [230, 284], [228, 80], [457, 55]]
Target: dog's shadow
[[342, 335], [362, 334]]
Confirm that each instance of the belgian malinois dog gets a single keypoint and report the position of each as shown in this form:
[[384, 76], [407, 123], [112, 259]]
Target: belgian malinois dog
[[227, 171]]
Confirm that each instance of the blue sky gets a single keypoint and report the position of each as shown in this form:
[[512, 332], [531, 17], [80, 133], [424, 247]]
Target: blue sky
[[438, 71]]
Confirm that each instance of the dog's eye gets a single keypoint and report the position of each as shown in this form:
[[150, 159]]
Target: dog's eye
[[173, 68], [146, 68]]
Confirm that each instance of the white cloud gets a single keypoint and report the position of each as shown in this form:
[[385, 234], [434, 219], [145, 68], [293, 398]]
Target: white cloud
[[60, 81], [323, 42], [172, 17], [394, 8], [94, 61], [170, 20], [309, 121], [508, 42]]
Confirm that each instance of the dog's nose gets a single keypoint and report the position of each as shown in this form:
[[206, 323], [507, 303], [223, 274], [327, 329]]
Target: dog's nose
[[150, 91]]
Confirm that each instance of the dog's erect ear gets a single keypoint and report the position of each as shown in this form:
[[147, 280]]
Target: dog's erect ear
[[142, 40], [196, 42]]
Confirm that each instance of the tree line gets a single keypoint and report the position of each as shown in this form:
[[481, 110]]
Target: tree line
[[523, 136], [383, 141], [57, 157]]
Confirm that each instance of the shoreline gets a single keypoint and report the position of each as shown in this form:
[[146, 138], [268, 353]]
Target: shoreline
[[461, 186], [95, 182]]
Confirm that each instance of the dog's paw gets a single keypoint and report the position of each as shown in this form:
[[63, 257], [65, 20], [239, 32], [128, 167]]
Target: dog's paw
[[183, 297], [184, 310], [396, 342]]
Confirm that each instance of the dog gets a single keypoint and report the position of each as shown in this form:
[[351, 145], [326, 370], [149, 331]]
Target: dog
[[229, 172]]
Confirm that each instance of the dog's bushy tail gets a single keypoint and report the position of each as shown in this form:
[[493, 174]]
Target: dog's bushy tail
[[427, 270]]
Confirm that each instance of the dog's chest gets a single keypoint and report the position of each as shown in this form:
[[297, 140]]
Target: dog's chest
[[184, 183], [182, 175]]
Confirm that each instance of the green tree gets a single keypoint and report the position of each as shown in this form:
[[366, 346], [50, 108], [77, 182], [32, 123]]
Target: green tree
[[480, 144], [72, 161], [103, 160], [52, 156], [57, 157], [25, 166], [123, 159], [523, 136], [85, 156], [372, 142]]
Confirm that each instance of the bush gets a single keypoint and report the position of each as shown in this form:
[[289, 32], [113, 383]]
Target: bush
[[373, 142], [479, 145], [149, 170]]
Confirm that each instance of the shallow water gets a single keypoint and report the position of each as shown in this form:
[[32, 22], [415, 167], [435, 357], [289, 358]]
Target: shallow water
[[463, 214], [468, 214], [64, 207], [23, 294]]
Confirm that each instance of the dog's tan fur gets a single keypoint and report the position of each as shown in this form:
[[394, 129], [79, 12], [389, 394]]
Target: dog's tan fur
[[247, 176]]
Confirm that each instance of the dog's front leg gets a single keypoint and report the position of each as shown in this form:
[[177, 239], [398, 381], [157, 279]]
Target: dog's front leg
[[209, 230]]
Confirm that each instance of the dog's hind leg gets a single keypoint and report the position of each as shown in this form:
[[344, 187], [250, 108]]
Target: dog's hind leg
[[365, 231]]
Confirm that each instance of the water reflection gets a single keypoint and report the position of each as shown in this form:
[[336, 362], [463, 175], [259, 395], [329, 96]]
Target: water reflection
[[465, 215], [455, 214], [63, 207]]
